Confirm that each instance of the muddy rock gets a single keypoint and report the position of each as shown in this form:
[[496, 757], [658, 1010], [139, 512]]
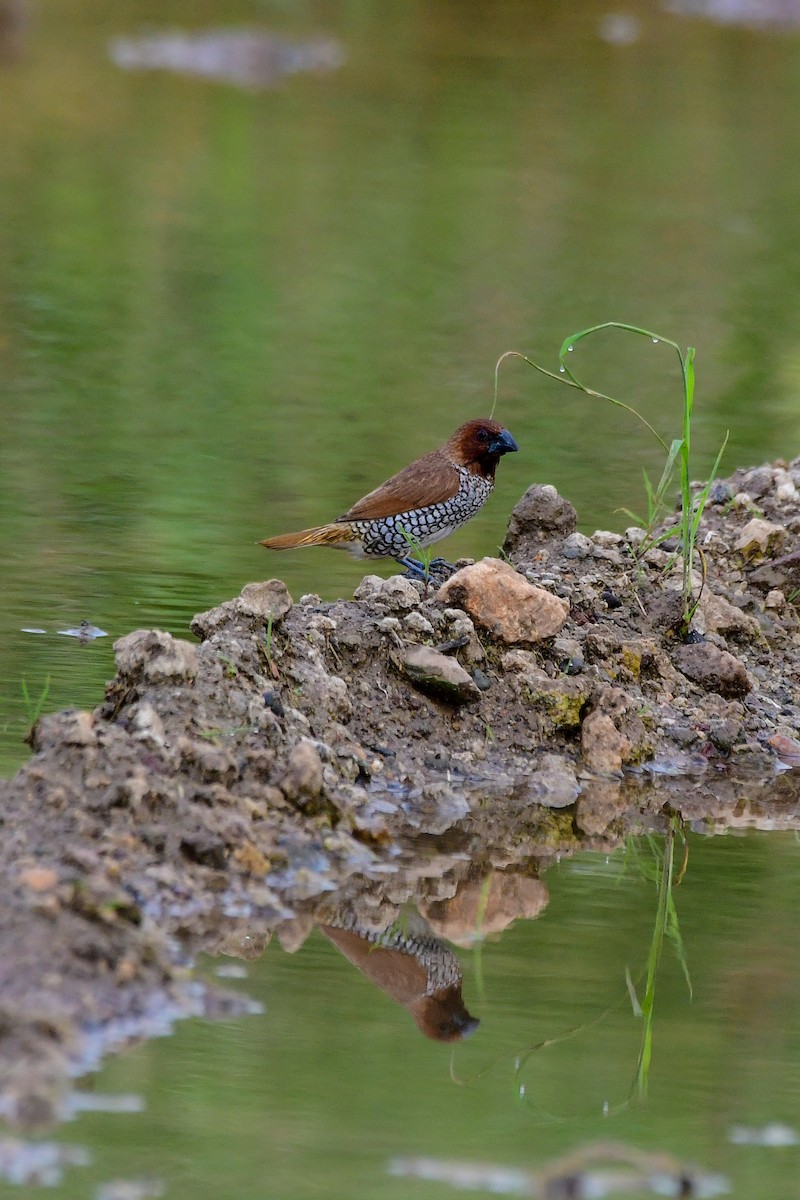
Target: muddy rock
[[265, 600], [578, 545], [713, 669], [503, 603], [560, 701], [715, 614], [538, 516], [155, 657], [303, 779], [759, 539], [396, 593], [439, 676], [603, 747]]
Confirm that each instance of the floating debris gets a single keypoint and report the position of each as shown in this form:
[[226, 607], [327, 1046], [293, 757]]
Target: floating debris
[[231, 971], [773, 1135], [38, 1164], [244, 57], [81, 1102], [130, 1189], [757, 14], [632, 1170], [85, 632]]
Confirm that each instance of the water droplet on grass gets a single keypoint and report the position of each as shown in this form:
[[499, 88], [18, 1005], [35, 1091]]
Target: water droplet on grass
[[570, 349], [562, 369], [656, 341]]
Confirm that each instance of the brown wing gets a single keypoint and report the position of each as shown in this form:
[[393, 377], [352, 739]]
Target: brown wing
[[432, 479]]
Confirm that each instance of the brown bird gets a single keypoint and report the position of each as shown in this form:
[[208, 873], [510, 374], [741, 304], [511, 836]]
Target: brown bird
[[413, 968], [422, 504]]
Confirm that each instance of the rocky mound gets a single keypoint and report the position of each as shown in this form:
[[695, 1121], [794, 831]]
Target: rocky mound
[[526, 706]]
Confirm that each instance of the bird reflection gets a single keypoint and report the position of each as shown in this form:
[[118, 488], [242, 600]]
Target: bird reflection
[[413, 967]]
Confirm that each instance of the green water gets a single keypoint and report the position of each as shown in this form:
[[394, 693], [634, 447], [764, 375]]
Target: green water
[[317, 1095], [227, 312]]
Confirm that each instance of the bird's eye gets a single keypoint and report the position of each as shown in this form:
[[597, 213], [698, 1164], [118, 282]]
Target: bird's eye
[[483, 435]]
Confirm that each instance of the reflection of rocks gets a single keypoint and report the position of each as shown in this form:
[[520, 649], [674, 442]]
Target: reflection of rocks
[[249, 58], [484, 906], [756, 14], [413, 967], [14, 25]]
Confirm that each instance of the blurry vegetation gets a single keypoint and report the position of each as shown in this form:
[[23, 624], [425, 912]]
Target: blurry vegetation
[[679, 457]]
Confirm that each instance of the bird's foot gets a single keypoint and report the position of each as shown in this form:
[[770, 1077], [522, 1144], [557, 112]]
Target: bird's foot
[[414, 569], [437, 569]]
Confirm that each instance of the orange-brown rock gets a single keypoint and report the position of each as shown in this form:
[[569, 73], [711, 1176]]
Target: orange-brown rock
[[502, 602]]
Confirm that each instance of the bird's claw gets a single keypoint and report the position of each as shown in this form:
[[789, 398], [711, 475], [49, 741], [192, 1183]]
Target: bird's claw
[[437, 567]]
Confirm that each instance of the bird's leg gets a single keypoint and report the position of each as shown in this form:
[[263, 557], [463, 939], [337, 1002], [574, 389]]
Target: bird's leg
[[413, 567]]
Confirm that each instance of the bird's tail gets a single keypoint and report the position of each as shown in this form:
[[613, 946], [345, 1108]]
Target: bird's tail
[[321, 535]]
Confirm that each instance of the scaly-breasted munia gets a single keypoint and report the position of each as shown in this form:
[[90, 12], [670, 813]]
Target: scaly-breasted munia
[[422, 504], [414, 968]]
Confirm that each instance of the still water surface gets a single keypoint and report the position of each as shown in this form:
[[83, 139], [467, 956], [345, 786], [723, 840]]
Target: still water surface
[[228, 311], [316, 1096]]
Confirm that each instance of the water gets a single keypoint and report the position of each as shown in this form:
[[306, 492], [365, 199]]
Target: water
[[229, 311], [319, 1094]]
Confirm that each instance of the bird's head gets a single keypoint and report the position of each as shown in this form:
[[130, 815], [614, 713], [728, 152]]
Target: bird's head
[[443, 1015], [479, 445]]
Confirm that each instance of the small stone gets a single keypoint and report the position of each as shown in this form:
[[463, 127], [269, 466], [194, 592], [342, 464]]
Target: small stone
[[656, 557], [78, 729], [635, 535], [503, 603], [394, 593], [418, 624], [758, 481], [760, 538], [786, 492], [568, 654], [720, 492], [602, 745], [577, 545], [146, 724], [39, 879], [715, 614], [713, 669], [539, 514], [269, 599], [439, 675], [606, 539], [775, 599], [303, 779]]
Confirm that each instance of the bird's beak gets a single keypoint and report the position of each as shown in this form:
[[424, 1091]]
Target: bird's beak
[[503, 444]]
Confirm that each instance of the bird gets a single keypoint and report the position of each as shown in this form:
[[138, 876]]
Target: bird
[[413, 968], [429, 499]]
